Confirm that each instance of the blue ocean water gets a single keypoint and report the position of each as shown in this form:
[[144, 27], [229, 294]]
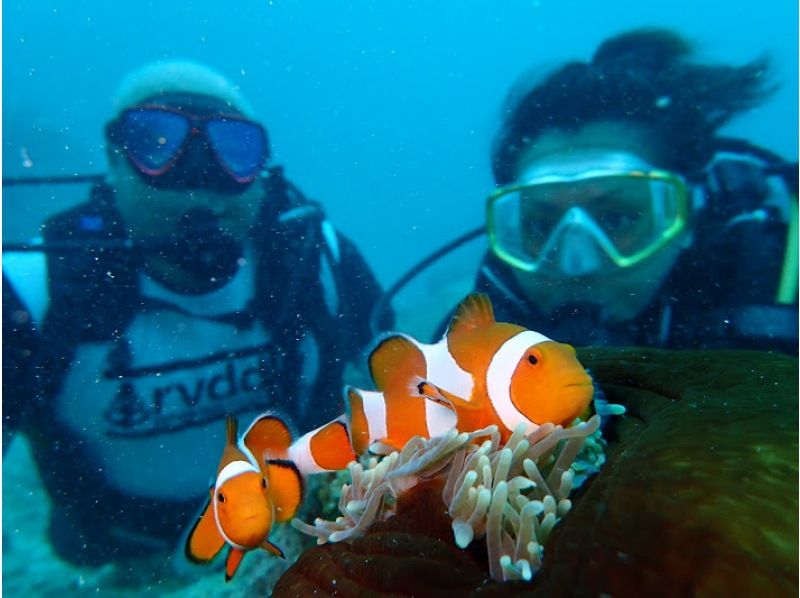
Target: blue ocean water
[[383, 111]]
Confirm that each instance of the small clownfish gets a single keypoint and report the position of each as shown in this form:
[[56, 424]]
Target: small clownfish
[[253, 490], [482, 372]]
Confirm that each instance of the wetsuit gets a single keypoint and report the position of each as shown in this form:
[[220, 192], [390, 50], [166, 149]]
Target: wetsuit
[[125, 385]]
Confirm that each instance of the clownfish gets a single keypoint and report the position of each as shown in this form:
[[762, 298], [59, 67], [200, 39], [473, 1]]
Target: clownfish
[[252, 492], [482, 372]]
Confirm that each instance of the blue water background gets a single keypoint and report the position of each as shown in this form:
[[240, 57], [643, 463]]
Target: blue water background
[[384, 111]]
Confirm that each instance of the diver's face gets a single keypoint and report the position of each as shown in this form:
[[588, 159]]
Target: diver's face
[[583, 273], [203, 220], [152, 213]]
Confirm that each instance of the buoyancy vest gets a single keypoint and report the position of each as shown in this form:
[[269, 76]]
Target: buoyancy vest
[[309, 282]]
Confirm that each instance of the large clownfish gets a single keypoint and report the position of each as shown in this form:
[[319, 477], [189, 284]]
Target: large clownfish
[[482, 372], [252, 492]]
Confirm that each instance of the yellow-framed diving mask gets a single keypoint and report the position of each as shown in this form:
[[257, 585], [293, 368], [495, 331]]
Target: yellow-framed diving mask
[[619, 213]]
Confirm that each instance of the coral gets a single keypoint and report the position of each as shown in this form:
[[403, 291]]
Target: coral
[[409, 554], [491, 490], [698, 496], [699, 492]]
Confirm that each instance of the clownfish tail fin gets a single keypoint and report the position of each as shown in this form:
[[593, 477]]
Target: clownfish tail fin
[[268, 437], [331, 445]]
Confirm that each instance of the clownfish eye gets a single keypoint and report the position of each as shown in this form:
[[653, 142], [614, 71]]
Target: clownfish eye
[[221, 497], [532, 359]]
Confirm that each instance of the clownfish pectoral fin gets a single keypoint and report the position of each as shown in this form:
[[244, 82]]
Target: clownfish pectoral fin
[[272, 548], [285, 488], [442, 397], [268, 437], [232, 563], [204, 540], [395, 358], [426, 390]]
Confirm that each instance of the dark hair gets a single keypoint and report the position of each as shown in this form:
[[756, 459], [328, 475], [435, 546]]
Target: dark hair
[[644, 76]]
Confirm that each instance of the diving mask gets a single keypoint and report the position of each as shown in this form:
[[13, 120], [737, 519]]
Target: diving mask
[[573, 220], [191, 143]]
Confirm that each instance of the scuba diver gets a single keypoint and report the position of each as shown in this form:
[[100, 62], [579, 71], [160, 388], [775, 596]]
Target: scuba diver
[[620, 217], [196, 281]]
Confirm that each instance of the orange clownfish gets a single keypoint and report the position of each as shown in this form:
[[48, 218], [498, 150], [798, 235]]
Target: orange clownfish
[[482, 372], [253, 490]]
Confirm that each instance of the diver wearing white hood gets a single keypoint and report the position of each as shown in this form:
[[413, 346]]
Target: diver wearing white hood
[[205, 283]]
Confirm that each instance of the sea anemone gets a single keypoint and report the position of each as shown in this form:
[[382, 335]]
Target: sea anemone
[[513, 495]]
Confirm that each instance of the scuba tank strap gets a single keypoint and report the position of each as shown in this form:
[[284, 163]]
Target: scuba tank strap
[[287, 237], [95, 286]]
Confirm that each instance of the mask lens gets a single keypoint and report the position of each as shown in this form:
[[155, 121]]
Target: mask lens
[[512, 235], [626, 215], [239, 145], [634, 212], [153, 138]]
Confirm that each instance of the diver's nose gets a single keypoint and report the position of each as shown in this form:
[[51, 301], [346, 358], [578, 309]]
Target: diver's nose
[[579, 254], [195, 164]]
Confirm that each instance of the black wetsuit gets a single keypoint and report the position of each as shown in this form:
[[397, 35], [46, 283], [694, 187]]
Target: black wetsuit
[[123, 386]]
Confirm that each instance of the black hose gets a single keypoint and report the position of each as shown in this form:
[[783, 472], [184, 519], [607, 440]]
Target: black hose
[[67, 246], [66, 179]]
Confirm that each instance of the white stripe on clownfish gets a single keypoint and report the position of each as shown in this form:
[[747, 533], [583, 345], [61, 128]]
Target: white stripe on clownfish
[[300, 454], [440, 419], [443, 371], [230, 471], [375, 414], [500, 372]]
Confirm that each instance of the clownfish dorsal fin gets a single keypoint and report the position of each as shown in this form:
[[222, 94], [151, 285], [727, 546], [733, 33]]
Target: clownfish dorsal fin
[[232, 562], [232, 429], [285, 488], [475, 311], [268, 437], [394, 360], [204, 540]]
